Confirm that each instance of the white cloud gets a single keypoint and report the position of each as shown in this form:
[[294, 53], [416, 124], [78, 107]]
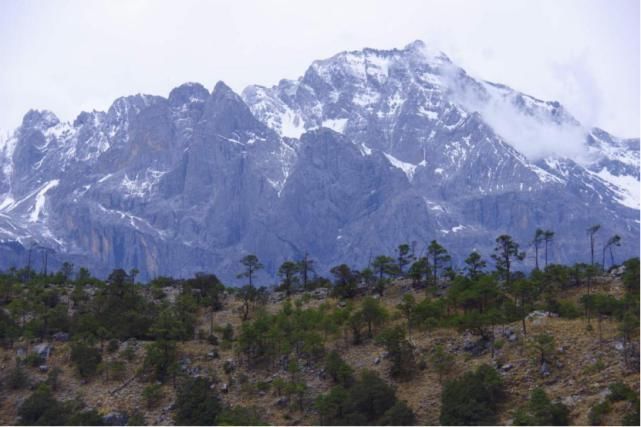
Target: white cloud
[[523, 122]]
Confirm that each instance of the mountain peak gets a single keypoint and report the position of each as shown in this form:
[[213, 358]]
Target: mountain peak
[[41, 119], [187, 93]]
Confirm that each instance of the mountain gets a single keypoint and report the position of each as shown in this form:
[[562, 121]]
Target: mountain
[[368, 149]]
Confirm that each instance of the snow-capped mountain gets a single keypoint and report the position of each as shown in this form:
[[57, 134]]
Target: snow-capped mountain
[[366, 150]]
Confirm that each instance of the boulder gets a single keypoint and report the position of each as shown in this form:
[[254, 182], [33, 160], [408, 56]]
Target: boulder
[[281, 402], [320, 293], [539, 314], [377, 360], [115, 419], [544, 369], [43, 350], [61, 336], [507, 367], [43, 368], [570, 400], [476, 347], [617, 271]]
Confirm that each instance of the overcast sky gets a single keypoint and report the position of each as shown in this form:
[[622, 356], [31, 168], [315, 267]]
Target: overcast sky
[[69, 56]]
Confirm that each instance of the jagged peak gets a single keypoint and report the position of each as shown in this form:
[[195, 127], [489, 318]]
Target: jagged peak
[[187, 93], [41, 119], [221, 89]]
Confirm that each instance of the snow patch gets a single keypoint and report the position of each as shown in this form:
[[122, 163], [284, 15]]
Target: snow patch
[[337, 125], [40, 199], [625, 186], [407, 168]]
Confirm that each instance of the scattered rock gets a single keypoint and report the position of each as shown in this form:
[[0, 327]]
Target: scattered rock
[[115, 419], [539, 314], [42, 350], [277, 296], [61, 336], [377, 360], [544, 370], [225, 388], [571, 400], [618, 345], [21, 353], [604, 393], [507, 367], [617, 271], [320, 293], [476, 347], [281, 402], [43, 368]]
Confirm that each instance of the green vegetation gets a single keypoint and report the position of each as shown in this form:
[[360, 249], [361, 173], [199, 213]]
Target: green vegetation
[[108, 328], [540, 411], [41, 408], [369, 401], [473, 398]]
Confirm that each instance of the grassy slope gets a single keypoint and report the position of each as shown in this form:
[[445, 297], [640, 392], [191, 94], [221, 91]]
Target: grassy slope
[[577, 381]]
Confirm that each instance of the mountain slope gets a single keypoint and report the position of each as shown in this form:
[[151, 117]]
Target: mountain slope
[[366, 150]]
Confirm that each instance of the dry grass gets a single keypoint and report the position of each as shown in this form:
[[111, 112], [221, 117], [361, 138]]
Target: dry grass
[[577, 379]]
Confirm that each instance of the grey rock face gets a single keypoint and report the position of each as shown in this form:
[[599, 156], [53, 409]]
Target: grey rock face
[[367, 150]]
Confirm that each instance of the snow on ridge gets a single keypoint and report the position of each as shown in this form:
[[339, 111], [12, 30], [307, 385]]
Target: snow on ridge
[[407, 168], [40, 199]]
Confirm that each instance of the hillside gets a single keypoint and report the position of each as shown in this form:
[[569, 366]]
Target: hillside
[[581, 363]]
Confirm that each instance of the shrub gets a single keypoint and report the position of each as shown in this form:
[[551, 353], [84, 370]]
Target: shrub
[[113, 346], [161, 360], [196, 404], [86, 358], [598, 411], [137, 418], [128, 353], [228, 332], [113, 371], [152, 394], [17, 378], [369, 401], [398, 415], [473, 398], [338, 369], [52, 378], [41, 409], [240, 416], [631, 418], [620, 391], [400, 351], [33, 360], [541, 411], [85, 418], [442, 361]]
